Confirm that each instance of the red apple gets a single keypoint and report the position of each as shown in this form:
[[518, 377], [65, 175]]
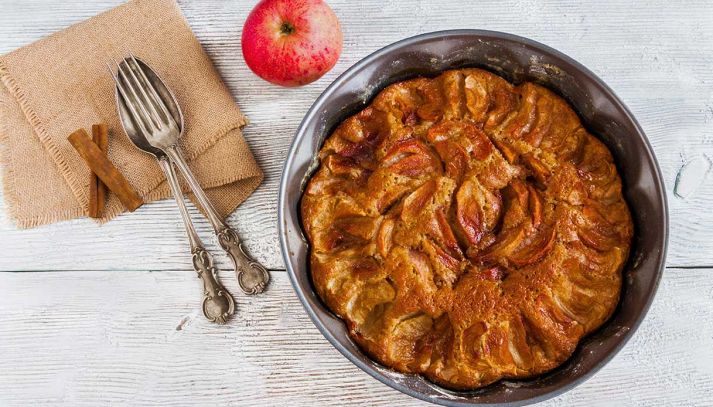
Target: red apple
[[291, 42]]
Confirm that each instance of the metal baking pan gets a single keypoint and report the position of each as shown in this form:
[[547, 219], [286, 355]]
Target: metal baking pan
[[517, 59]]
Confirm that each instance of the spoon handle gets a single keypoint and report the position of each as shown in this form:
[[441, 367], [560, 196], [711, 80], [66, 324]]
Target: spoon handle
[[218, 304], [252, 276]]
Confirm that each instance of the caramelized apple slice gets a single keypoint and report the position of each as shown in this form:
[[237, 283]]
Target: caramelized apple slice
[[502, 101], [518, 345], [364, 267], [401, 99], [374, 323], [598, 172], [454, 96], [571, 146], [564, 123], [388, 196], [401, 149], [446, 266], [341, 275], [534, 250], [364, 127], [526, 239], [334, 239], [472, 342], [443, 131], [347, 206], [468, 135], [432, 96], [468, 214], [521, 191], [506, 242], [496, 172], [526, 115], [476, 97], [345, 166], [329, 186], [411, 158], [440, 229], [384, 238], [414, 202], [538, 169], [543, 122], [583, 295], [477, 144], [604, 261], [524, 203], [595, 231], [363, 227], [535, 204], [478, 211], [433, 348], [550, 328], [455, 158], [507, 151], [548, 309], [405, 334], [421, 266], [414, 165], [596, 238], [496, 347]]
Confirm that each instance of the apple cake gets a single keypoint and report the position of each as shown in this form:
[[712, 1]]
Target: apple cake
[[467, 229]]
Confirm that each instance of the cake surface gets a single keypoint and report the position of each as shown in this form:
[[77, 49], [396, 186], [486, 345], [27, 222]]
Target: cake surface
[[467, 229]]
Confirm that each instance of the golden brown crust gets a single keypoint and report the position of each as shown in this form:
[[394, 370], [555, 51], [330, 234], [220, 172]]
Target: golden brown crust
[[467, 229]]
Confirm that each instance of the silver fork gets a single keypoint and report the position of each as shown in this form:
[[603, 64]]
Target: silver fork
[[154, 112], [218, 305]]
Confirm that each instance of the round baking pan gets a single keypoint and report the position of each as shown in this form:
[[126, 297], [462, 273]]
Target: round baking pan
[[517, 59]]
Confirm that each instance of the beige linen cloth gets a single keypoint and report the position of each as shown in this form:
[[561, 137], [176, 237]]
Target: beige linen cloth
[[61, 83]]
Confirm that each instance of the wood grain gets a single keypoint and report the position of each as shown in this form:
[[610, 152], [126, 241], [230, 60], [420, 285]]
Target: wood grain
[[657, 57], [109, 330], [138, 338]]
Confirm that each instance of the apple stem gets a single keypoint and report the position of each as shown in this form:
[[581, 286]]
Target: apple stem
[[287, 28]]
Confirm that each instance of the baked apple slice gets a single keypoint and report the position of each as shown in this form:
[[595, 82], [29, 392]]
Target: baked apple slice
[[477, 211], [417, 200], [405, 334], [412, 158]]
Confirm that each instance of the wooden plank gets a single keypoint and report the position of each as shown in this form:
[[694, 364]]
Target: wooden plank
[[137, 338], [657, 58]]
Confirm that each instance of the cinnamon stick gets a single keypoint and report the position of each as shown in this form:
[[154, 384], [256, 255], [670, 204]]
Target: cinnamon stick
[[105, 170], [97, 189]]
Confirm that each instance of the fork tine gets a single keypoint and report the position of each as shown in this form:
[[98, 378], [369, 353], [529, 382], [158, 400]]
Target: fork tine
[[152, 91], [147, 100], [146, 116], [124, 94]]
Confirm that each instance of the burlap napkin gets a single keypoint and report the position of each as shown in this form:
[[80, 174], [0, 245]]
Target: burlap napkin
[[61, 83]]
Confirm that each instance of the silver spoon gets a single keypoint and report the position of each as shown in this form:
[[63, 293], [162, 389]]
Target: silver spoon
[[218, 304], [153, 109]]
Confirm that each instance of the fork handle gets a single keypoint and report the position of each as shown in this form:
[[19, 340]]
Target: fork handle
[[252, 276], [218, 304]]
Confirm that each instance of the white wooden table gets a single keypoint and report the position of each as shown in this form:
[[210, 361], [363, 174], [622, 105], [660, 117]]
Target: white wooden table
[[109, 315]]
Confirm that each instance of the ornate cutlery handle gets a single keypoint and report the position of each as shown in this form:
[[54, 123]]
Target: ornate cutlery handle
[[252, 276], [218, 304]]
